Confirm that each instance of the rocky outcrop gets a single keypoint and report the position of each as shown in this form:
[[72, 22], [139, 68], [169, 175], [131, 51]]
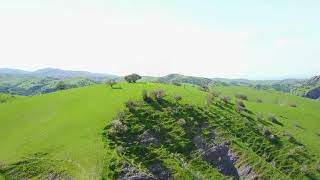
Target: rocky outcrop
[[218, 155], [159, 171], [313, 93], [156, 172], [221, 157], [131, 173]]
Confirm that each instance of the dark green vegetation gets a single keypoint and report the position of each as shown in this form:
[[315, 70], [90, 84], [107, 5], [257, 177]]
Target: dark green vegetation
[[36, 166], [6, 98], [38, 85], [14, 81], [162, 139], [132, 78], [70, 130]]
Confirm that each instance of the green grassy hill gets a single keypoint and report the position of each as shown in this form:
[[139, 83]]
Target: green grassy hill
[[68, 124], [62, 133], [303, 121]]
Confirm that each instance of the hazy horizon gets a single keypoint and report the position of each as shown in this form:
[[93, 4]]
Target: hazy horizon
[[247, 40], [146, 75]]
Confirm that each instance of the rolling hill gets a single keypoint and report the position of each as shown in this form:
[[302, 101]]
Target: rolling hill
[[56, 74], [66, 134], [38, 85]]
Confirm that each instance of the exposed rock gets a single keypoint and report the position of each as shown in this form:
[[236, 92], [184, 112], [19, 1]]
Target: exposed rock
[[160, 172], [131, 173], [218, 155], [55, 176], [147, 139], [245, 172], [221, 157], [313, 93], [156, 172]]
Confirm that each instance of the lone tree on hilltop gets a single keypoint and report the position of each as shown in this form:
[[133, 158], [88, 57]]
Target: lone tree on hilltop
[[132, 78]]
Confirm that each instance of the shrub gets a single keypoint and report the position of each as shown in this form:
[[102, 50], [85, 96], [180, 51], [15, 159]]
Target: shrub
[[293, 105], [259, 100], [118, 127], [119, 149], [176, 83], [204, 88], [61, 85], [215, 93], [130, 105], [292, 139], [111, 83], [259, 117], [225, 99], [158, 94], [241, 96], [291, 152], [272, 118], [190, 106], [304, 169], [273, 138], [240, 103], [132, 78], [181, 122], [239, 108], [177, 98], [146, 97], [266, 132], [120, 115]]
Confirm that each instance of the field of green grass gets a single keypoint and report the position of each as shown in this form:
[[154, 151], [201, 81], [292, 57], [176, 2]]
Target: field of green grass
[[68, 124], [302, 121]]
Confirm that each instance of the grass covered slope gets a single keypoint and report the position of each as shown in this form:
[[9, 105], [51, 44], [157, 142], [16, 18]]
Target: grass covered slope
[[98, 132], [299, 116], [67, 125], [160, 138]]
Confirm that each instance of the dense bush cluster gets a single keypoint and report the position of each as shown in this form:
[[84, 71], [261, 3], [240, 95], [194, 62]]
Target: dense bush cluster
[[225, 99], [241, 96]]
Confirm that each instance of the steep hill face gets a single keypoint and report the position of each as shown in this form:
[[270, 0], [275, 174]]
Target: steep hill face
[[169, 140], [313, 93]]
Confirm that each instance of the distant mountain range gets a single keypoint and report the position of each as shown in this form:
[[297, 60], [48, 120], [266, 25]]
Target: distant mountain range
[[56, 73], [309, 88]]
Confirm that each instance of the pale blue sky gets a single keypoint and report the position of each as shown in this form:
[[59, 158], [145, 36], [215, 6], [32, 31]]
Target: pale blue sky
[[235, 39]]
